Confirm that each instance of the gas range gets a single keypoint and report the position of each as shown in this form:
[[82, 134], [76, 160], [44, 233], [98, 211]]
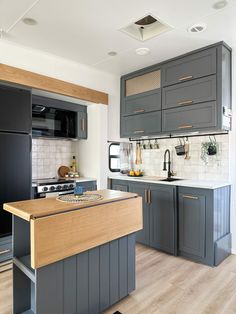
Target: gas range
[[54, 185]]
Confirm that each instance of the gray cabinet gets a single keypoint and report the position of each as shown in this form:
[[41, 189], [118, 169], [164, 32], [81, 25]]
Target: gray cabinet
[[163, 218], [142, 124], [143, 236], [5, 248], [201, 116], [192, 66], [82, 128], [193, 92], [145, 102], [201, 78], [204, 224], [88, 185], [120, 187], [192, 223]]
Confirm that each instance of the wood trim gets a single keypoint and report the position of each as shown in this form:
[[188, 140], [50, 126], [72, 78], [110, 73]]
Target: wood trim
[[37, 208], [34, 80], [56, 237]]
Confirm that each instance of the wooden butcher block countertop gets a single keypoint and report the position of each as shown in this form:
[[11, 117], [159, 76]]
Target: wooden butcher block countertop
[[36, 208]]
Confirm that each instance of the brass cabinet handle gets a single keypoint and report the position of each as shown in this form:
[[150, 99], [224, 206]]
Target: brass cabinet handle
[[138, 131], [185, 78], [190, 197], [185, 127], [149, 197], [5, 251], [146, 196], [139, 111], [185, 102]]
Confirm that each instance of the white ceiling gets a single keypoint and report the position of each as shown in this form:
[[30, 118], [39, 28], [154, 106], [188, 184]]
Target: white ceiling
[[86, 30]]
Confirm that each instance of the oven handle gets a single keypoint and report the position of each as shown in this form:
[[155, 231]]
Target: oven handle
[[66, 192]]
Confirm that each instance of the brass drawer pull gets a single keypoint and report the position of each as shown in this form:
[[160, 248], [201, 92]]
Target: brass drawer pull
[[190, 197], [149, 197], [138, 131], [139, 111], [83, 125], [185, 78], [185, 127], [146, 196], [5, 251], [185, 102]]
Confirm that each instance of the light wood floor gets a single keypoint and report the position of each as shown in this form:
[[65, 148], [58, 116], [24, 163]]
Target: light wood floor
[[166, 285]]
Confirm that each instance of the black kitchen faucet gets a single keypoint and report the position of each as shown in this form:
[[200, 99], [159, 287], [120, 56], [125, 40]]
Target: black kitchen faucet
[[167, 151]]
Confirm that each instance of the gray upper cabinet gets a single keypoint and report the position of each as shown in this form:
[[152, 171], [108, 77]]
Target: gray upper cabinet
[[188, 93], [82, 128], [192, 223], [201, 78], [146, 102], [194, 117], [189, 67], [142, 124]]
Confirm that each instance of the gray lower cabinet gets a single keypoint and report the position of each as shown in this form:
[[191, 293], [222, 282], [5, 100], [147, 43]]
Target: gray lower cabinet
[[159, 216], [88, 185], [191, 118], [192, 66], [141, 124], [193, 92], [163, 228], [5, 248], [82, 127], [120, 185], [143, 236], [204, 224]]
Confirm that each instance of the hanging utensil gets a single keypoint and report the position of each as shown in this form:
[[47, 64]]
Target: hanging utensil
[[138, 160], [186, 147]]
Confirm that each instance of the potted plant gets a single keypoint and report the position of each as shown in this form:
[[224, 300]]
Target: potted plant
[[209, 149]]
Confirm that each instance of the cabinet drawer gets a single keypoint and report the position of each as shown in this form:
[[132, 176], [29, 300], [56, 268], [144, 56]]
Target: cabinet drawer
[[146, 102], [196, 91], [5, 250], [196, 65], [189, 118], [142, 124]]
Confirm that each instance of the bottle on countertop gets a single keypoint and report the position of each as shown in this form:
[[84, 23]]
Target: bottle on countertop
[[73, 165]]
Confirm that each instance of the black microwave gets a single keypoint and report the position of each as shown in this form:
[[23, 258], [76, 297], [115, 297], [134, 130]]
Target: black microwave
[[53, 122]]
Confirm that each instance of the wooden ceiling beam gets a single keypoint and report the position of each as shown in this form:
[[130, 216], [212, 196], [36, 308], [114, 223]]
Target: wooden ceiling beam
[[14, 75]]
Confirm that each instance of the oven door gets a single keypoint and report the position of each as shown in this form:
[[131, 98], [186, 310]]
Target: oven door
[[53, 122], [54, 194]]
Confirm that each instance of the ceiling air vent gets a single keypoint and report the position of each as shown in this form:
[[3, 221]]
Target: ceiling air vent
[[145, 28], [197, 28]]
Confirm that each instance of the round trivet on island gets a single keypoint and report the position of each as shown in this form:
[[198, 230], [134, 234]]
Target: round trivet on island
[[71, 198]]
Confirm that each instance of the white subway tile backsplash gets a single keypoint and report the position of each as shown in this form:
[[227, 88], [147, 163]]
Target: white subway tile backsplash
[[217, 166], [49, 155]]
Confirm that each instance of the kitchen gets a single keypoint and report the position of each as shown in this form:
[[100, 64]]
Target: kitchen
[[205, 168]]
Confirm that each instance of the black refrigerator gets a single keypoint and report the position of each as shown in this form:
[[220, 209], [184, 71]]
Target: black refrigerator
[[15, 150]]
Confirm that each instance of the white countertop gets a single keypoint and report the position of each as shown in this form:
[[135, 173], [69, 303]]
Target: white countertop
[[203, 184]]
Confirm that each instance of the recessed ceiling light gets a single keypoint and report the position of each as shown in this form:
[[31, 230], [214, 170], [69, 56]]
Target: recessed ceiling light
[[112, 53], [142, 51], [29, 21], [197, 28], [220, 4]]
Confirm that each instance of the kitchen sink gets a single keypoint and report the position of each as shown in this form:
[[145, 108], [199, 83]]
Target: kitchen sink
[[170, 179]]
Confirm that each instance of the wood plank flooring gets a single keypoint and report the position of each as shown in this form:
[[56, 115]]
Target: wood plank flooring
[[166, 285]]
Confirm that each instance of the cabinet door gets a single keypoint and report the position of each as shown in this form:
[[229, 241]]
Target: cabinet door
[[82, 125], [120, 187], [189, 118], [142, 236], [190, 67], [163, 218], [88, 186], [146, 102], [193, 92], [192, 223], [15, 110], [141, 124]]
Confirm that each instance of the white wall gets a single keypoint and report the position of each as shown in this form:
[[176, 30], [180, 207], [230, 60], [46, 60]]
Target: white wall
[[51, 65]]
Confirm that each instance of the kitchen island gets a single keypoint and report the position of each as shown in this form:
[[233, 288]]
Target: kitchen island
[[74, 258]]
